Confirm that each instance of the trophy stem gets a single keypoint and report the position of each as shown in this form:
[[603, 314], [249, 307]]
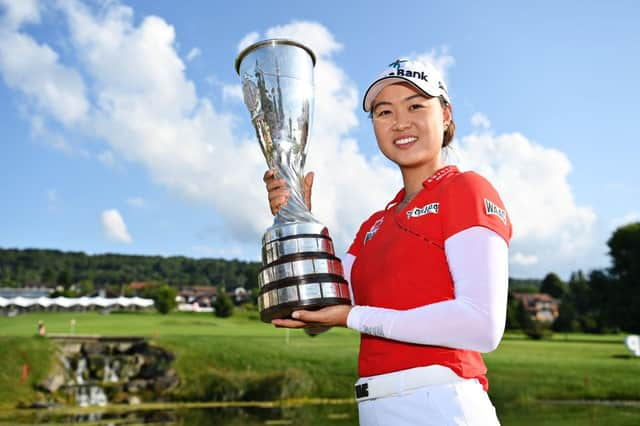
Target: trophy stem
[[295, 210]]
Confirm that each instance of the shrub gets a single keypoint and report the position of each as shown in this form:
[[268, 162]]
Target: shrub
[[223, 306]]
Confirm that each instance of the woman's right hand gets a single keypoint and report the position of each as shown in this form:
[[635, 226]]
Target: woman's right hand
[[278, 190]]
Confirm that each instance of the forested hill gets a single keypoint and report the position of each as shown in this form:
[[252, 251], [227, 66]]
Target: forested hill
[[20, 268], [29, 267]]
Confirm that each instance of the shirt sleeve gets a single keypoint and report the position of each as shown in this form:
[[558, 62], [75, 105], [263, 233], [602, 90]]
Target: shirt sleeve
[[474, 319], [470, 200]]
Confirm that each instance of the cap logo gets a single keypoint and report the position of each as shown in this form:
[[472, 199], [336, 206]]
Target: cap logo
[[413, 74], [397, 63]]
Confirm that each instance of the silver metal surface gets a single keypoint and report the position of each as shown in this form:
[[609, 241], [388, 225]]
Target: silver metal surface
[[310, 291], [285, 230], [288, 294], [277, 85], [299, 268], [330, 290], [303, 293], [277, 249]]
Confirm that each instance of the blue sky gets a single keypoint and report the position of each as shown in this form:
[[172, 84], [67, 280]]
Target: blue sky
[[123, 130]]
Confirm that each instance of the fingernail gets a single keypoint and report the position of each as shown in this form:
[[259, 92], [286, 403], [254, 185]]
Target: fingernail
[[295, 315]]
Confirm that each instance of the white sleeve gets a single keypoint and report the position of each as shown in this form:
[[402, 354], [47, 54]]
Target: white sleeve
[[474, 319]]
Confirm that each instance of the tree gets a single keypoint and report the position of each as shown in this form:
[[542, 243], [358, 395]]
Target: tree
[[64, 279], [553, 286], [567, 320], [624, 249], [47, 276], [164, 298], [512, 313], [85, 287], [223, 306]]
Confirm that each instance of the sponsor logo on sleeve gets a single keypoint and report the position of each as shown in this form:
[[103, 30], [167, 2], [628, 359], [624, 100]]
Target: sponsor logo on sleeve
[[431, 208], [373, 230], [492, 209]]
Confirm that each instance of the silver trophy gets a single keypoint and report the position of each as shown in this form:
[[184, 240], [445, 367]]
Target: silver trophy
[[299, 266]]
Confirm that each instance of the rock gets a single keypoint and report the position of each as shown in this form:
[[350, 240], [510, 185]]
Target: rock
[[123, 347], [165, 383], [71, 348], [136, 385], [93, 348], [53, 383]]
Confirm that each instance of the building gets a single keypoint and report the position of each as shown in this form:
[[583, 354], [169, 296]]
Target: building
[[541, 306]]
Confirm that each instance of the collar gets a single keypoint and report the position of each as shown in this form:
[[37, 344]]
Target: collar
[[429, 183]]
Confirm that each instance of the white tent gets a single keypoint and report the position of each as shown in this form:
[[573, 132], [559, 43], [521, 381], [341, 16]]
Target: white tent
[[63, 303]]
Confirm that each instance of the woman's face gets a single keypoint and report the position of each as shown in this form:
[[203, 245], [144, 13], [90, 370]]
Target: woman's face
[[409, 126]]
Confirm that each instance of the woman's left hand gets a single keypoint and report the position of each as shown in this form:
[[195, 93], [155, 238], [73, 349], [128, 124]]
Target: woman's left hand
[[330, 316]]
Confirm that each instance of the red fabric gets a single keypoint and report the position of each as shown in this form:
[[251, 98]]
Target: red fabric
[[401, 264]]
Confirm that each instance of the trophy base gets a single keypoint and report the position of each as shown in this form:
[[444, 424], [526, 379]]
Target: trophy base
[[285, 310], [300, 271]]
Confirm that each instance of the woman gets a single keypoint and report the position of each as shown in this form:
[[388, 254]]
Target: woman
[[429, 273]]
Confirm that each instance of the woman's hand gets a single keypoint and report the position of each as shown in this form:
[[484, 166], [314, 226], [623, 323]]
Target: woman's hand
[[278, 190], [330, 316]]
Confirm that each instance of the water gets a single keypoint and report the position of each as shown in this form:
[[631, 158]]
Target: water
[[327, 414]]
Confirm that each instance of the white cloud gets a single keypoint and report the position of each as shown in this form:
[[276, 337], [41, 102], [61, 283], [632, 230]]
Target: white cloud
[[248, 40], [480, 120], [439, 57], [232, 92], [136, 202], [524, 260], [313, 35], [34, 69], [40, 132], [533, 182], [18, 13], [114, 228], [628, 218], [193, 53]]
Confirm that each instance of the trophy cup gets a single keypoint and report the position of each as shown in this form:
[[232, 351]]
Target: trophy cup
[[299, 266]]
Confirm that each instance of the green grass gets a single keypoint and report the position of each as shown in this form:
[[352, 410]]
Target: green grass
[[212, 353], [17, 353], [593, 367]]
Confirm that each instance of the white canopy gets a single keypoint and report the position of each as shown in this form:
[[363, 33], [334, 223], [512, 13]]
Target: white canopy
[[68, 302]]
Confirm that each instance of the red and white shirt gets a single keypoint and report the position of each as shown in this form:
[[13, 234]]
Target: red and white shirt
[[401, 265]]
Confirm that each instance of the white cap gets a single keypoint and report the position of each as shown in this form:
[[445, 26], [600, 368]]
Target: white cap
[[423, 76]]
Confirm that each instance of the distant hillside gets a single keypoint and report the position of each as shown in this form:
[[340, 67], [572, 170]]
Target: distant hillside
[[524, 285], [19, 268]]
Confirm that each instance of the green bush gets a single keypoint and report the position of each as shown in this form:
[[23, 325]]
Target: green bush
[[223, 306], [164, 298]]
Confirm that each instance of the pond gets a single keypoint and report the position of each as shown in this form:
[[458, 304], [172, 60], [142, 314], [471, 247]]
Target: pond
[[334, 414]]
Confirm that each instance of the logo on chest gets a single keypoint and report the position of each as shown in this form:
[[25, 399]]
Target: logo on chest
[[431, 208], [372, 231]]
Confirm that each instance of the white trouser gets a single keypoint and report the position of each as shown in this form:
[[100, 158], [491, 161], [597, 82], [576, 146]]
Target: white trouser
[[398, 399]]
